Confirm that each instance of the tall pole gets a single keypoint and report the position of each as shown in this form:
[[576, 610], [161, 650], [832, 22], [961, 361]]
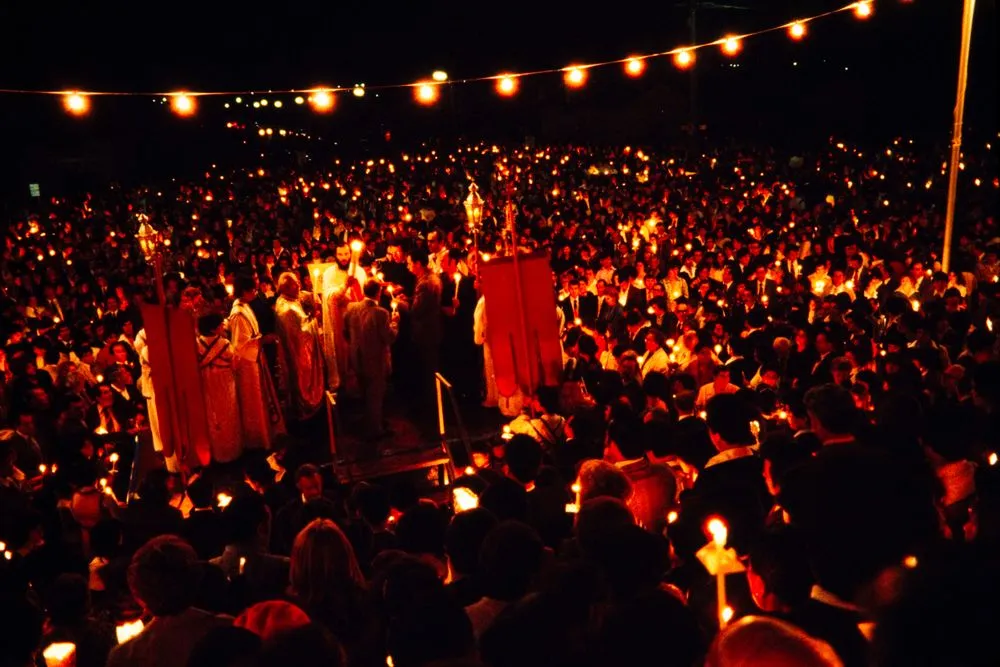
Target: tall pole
[[693, 10], [956, 132]]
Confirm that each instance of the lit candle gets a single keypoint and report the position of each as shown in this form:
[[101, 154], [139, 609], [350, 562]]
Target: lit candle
[[243, 564], [458, 281], [223, 500], [720, 535], [128, 630], [61, 654]]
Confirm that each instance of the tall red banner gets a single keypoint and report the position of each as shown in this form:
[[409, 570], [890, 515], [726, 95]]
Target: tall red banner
[[540, 363], [180, 402]]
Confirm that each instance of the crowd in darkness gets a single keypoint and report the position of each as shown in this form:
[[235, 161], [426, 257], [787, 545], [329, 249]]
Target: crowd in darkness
[[762, 339]]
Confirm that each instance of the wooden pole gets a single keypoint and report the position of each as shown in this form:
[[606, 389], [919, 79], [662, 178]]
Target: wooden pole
[[956, 133]]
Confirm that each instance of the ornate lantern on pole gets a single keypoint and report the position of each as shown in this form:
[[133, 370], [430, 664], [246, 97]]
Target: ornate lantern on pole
[[474, 211], [150, 243]]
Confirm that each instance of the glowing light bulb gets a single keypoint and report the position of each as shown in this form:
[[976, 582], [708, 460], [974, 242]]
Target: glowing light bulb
[[863, 9], [359, 91], [684, 58], [731, 46], [321, 101], [797, 30], [507, 85], [278, 104], [439, 76], [76, 104], [635, 66], [182, 104], [298, 99], [575, 77], [426, 93]]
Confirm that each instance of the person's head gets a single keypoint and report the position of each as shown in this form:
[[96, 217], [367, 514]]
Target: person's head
[[523, 458], [247, 519], [372, 289], [685, 402], [728, 419], [760, 641], [778, 572], [289, 286], [309, 482], [267, 619], [226, 646], [342, 255], [244, 287], [432, 630], [420, 531], [67, 600], [201, 492], [598, 479], [323, 566], [464, 540], [305, 645], [416, 261], [371, 502], [510, 558], [720, 376], [119, 353], [164, 576], [654, 340], [831, 410]]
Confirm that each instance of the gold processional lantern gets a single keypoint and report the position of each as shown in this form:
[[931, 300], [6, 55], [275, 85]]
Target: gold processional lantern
[[149, 239], [474, 207]]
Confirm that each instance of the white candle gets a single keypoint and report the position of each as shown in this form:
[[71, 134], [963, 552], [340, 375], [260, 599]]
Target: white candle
[[62, 654], [458, 281]]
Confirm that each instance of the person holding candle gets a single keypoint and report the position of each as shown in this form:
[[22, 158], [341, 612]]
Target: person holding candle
[[215, 361], [370, 331], [260, 409], [342, 284]]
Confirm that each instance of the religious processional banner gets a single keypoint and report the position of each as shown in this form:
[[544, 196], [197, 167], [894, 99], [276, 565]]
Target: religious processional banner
[[514, 365]]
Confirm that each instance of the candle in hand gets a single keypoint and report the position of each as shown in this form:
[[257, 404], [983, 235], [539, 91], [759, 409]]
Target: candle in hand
[[458, 281], [62, 654]]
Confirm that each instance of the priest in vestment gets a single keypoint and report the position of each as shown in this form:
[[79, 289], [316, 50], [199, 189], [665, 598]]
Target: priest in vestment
[[300, 347], [215, 361], [343, 284], [145, 386], [260, 409]]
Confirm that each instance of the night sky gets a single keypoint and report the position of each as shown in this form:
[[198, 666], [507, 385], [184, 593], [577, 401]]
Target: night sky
[[894, 73]]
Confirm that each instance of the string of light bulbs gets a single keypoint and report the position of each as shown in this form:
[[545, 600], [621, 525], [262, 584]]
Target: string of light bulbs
[[322, 99]]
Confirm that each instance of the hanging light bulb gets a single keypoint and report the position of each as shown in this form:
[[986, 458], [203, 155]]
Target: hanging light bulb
[[321, 101], [575, 77], [439, 76], [635, 66], [684, 58], [426, 93], [863, 9], [797, 30], [76, 104], [182, 104], [359, 91], [299, 99], [731, 46], [507, 85]]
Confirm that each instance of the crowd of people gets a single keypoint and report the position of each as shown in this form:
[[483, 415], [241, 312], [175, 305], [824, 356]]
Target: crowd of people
[[764, 360]]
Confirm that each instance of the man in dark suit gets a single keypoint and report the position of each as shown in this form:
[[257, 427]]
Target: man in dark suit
[[370, 331], [203, 527], [731, 485], [164, 577], [110, 413], [312, 503], [761, 286], [580, 306], [245, 557], [636, 328], [610, 316]]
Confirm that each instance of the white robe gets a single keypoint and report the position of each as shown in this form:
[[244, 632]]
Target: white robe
[[215, 361], [145, 386], [259, 406], [479, 335], [334, 304]]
